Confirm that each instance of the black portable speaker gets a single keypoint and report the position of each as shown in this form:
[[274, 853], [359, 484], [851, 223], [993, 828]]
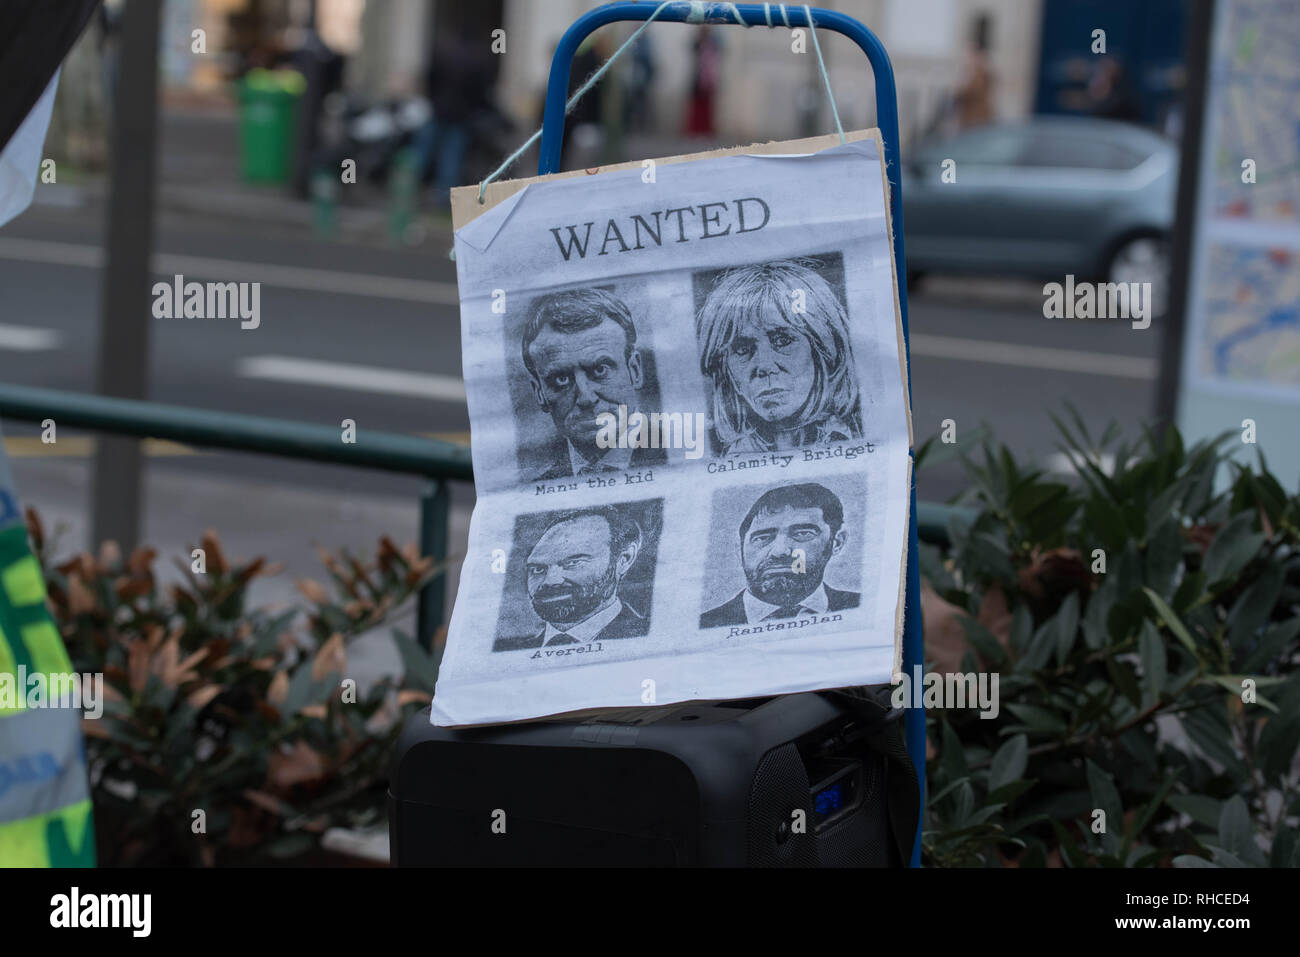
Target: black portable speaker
[[801, 780]]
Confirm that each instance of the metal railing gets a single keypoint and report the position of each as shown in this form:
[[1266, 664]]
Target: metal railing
[[440, 462]]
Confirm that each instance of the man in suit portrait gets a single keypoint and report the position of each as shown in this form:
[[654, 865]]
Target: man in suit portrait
[[582, 359], [574, 574], [786, 540]]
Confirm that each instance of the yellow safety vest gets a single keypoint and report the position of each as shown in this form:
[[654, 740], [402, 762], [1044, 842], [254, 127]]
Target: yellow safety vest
[[45, 810]]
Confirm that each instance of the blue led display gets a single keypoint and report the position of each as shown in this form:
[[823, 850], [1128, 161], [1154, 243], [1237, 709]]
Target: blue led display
[[830, 800]]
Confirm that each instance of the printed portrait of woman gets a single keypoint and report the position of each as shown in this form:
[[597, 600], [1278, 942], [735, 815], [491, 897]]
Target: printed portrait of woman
[[774, 347]]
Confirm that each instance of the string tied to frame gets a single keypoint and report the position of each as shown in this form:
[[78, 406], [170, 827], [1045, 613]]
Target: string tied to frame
[[698, 14]]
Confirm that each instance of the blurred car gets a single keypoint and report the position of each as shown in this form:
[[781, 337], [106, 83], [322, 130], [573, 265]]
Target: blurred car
[[1042, 198]]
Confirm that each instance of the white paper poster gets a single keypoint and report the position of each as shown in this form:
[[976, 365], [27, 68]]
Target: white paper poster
[[690, 438]]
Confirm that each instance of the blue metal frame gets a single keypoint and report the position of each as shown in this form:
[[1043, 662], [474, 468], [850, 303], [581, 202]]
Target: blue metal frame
[[753, 15]]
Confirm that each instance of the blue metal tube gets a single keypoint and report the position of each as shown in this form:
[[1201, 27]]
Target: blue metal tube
[[887, 118]]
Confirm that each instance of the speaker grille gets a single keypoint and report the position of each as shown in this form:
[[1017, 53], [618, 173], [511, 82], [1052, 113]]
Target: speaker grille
[[780, 788], [862, 838]]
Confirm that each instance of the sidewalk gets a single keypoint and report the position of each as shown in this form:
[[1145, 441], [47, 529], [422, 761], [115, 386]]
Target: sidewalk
[[198, 175]]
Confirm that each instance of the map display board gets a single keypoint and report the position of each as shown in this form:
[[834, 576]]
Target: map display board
[[1242, 356]]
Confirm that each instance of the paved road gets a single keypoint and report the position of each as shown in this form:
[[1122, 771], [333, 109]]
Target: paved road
[[372, 334]]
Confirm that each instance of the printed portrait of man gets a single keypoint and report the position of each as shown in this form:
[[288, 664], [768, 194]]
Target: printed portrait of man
[[574, 573], [786, 541], [580, 350], [774, 347]]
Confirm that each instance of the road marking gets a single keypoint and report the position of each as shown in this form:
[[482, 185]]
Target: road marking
[[344, 375], [43, 251], [286, 277], [444, 293], [83, 446], [28, 338], [1000, 290], [1063, 463], [1033, 357]]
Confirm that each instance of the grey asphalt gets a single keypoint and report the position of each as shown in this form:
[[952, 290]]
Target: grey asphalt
[[1009, 383], [983, 354]]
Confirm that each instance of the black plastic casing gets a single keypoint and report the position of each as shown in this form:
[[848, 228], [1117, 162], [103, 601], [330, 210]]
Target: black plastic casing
[[701, 785]]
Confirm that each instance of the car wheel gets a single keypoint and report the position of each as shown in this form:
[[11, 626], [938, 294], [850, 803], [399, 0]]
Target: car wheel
[[1143, 259]]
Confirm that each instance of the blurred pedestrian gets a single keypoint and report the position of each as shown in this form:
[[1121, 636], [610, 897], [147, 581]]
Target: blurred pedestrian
[[640, 80], [322, 71], [973, 102], [704, 84], [584, 137], [1110, 95], [457, 83], [586, 61]]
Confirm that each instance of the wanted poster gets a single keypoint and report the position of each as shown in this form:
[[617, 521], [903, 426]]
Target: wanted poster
[[690, 431]]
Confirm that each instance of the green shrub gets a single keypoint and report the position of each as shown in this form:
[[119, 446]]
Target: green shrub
[[1162, 691], [243, 715], [1143, 621]]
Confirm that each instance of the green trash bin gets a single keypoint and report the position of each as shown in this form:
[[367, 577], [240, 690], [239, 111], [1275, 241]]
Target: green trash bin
[[268, 122]]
